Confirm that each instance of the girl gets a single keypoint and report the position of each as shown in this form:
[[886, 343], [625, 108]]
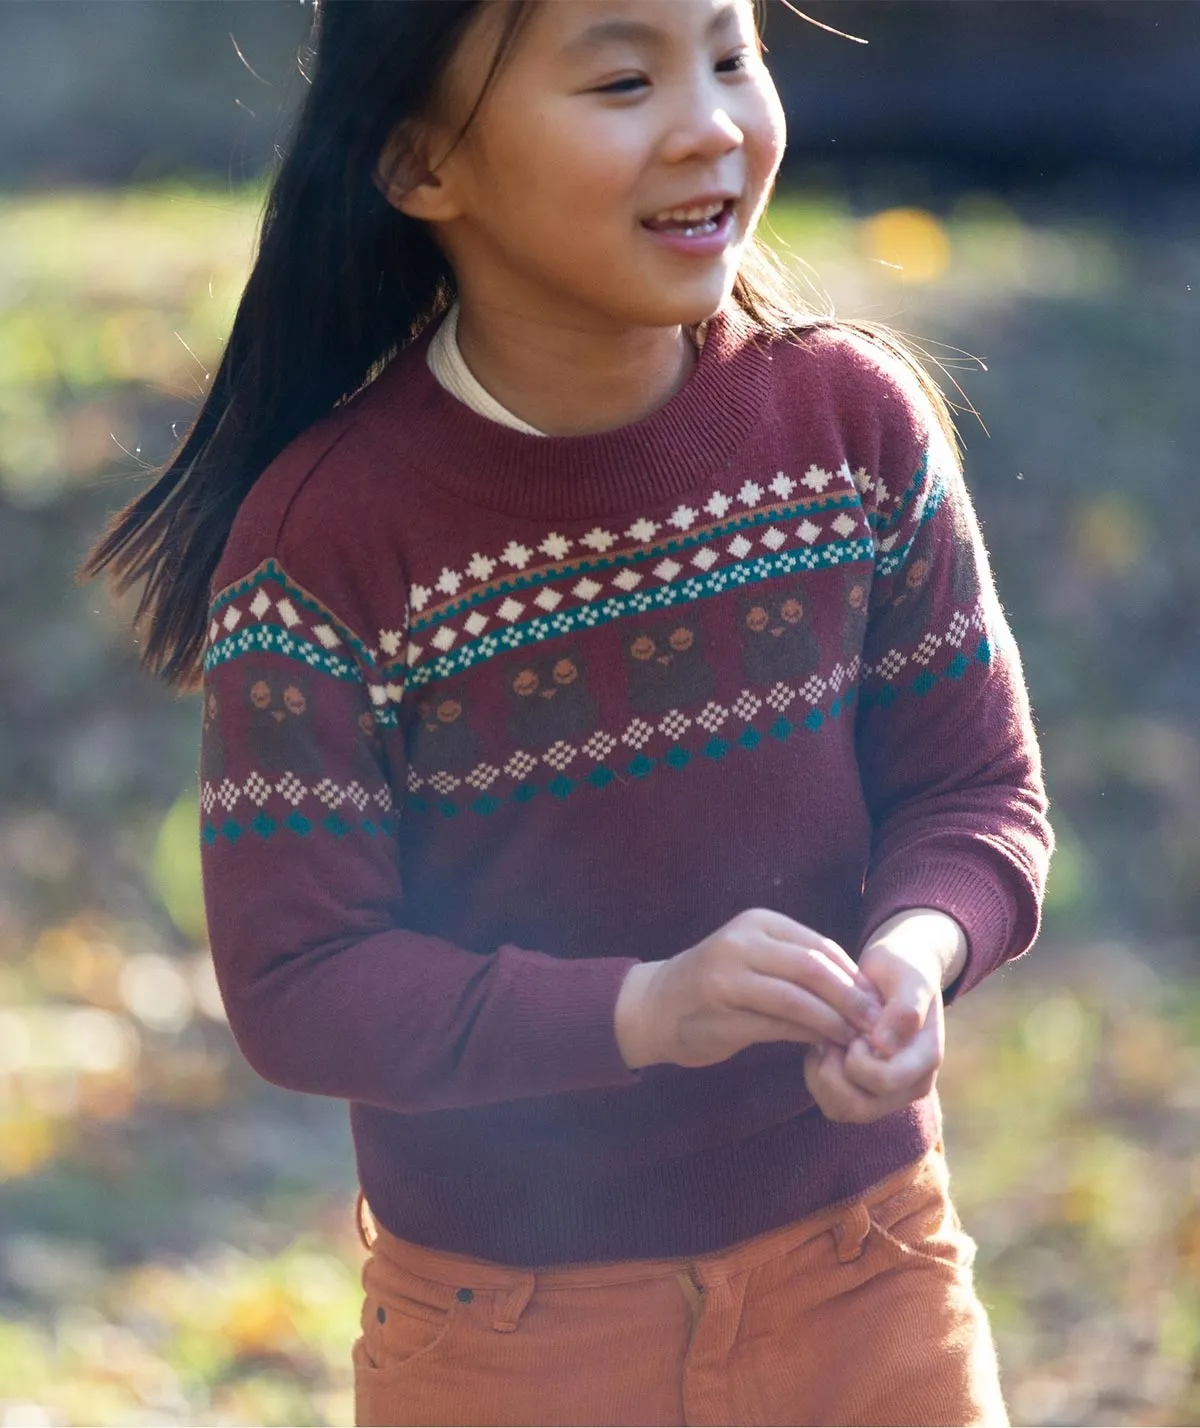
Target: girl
[[615, 755]]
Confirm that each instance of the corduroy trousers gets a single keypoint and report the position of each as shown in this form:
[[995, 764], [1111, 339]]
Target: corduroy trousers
[[862, 1314]]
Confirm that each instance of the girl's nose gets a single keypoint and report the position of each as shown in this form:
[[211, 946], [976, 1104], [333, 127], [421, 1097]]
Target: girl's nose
[[707, 132]]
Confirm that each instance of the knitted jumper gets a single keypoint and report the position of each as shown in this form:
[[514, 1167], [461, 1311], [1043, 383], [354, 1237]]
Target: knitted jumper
[[488, 717]]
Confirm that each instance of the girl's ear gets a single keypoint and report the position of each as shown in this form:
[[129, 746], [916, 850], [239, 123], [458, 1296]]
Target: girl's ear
[[405, 179]]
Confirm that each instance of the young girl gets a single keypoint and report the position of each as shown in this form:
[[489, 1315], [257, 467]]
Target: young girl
[[615, 756]]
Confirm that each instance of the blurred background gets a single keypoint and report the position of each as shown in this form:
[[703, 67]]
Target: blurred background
[[1013, 183]]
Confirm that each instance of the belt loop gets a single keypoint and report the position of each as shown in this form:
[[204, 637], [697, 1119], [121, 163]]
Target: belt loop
[[511, 1302], [850, 1232]]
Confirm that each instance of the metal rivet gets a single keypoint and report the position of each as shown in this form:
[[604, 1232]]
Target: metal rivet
[[464, 1296]]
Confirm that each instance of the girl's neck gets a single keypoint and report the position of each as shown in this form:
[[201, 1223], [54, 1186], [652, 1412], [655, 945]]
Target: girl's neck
[[568, 382]]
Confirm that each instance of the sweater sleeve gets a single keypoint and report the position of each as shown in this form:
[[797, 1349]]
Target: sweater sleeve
[[325, 989], [950, 764]]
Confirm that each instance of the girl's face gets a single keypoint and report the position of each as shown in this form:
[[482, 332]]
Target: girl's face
[[619, 162]]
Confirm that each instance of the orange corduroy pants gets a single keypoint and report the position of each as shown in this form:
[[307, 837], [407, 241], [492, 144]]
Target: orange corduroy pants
[[862, 1314]]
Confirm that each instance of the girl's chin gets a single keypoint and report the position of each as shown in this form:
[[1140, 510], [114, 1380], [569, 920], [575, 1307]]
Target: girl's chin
[[695, 307], [674, 300]]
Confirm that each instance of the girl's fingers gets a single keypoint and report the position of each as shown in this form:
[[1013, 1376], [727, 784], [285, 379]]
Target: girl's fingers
[[900, 1074], [896, 1027], [797, 1007], [814, 974], [794, 934], [838, 1098]]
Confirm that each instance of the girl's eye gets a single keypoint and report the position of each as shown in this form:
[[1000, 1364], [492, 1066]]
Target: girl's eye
[[734, 63], [630, 84]]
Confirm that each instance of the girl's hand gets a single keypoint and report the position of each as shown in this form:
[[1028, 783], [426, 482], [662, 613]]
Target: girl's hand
[[908, 960], [761, 977]]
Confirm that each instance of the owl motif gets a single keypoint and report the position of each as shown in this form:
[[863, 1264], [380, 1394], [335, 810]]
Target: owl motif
[[777, 642], [856, 599], [910, 611], [666, 665], [549, 699], [442, 738], [367, 759], [212, 742], [279, 733]]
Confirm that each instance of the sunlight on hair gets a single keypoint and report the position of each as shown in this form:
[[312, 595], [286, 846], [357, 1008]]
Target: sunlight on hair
[[910, 244]]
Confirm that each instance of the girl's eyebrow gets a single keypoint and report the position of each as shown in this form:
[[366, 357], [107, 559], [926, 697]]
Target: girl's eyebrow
[[638, 32]]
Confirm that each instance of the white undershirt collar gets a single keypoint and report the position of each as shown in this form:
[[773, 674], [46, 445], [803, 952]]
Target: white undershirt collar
[[448, 366]]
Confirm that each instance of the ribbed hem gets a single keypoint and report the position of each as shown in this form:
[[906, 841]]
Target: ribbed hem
[[668, 453], [969, 890], [690, 1205]]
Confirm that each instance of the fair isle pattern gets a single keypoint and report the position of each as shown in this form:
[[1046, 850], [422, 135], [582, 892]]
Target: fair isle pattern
[[644, 736], [298, 613], [264, 826], [299, 806], [750, 723], [761, 726], [260, 789], [268, 613], [599, 541], [439, 658], [888, 669], [566, 622], [919, 504], [639, 602], [565, 585], [583, 580]]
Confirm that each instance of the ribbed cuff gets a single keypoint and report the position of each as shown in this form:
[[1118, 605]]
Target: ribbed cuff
[[563, 1020], [968, 890]]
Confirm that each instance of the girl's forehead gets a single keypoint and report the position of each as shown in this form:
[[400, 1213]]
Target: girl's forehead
[[590, 25], [577, 30]]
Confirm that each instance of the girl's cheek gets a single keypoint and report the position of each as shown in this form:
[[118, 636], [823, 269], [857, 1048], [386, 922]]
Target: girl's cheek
[[774, 133]]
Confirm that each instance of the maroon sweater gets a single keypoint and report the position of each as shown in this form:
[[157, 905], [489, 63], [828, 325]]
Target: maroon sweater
[[489, 717]]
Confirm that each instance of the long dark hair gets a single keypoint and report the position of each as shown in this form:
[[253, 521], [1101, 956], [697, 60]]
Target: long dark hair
[[341, 282]]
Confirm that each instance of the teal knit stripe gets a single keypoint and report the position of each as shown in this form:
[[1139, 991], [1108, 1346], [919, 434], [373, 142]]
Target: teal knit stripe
[[271, 572], [888, 562], [277, 639], [629, 559], [602, 612], [926, 473], [264, 827], [881, 525]]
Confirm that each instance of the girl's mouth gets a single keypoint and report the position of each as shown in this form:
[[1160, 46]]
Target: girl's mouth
[[699, 220], [695, 220]]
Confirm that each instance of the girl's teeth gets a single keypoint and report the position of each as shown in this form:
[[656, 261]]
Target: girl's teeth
[[690, 222], [673, 216]]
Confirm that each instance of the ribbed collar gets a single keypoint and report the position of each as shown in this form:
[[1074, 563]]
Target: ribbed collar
[[608, 473]]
